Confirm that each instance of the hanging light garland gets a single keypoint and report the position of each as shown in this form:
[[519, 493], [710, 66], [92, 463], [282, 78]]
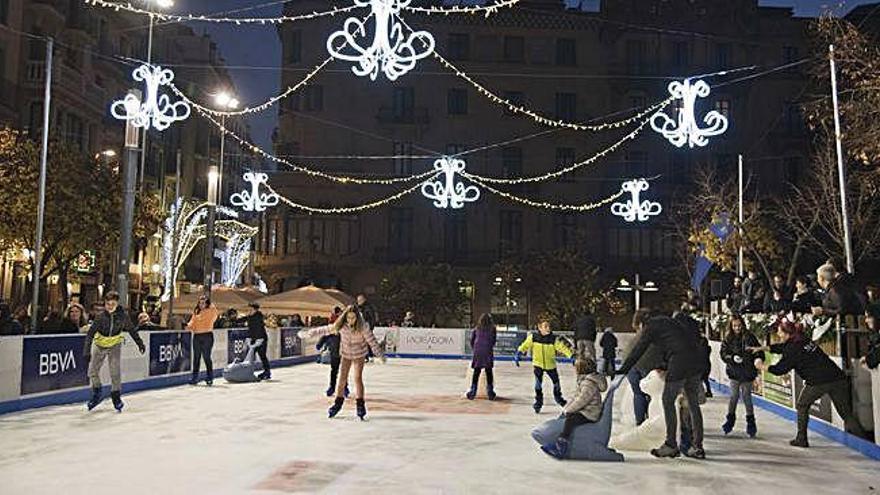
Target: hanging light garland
[[547, 205], [457, 9], [349, 209], [128, 7]]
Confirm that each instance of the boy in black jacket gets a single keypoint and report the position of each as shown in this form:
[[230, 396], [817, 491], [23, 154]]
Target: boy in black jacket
[[331, 343], [256, 324], [821, 376]]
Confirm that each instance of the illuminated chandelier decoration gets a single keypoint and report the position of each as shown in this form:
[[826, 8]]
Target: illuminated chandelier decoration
[[390, 50], [636, 209], [686, 130], [252, 200], [154, 110], [447, 193]]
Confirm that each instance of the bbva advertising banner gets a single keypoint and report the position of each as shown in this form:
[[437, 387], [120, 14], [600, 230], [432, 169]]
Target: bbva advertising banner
[[236, 345], [290, 344], [53, 363], [170, 352]]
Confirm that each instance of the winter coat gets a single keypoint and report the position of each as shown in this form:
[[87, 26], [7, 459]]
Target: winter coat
[[588, 398], [736, 346], [808, 360], [753, 295], [872, 357], [775, 306], [803, 304], [483, 344], [585, 328], [11, 327], [256, 324], [544, 349], [608, 343], [354, 344], [331, 343], [371, 316], [68, 326], [842, 298], [203, 321], [106, 330], [677, 344]]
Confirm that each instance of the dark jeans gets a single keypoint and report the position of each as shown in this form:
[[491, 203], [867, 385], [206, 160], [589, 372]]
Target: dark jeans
[[572, 421], [738, 389], [691, 386], [840, 396], [334, 370], [610, 368], [539, 380], [203, 343], [490, 378], [640, 399], [261, 351]]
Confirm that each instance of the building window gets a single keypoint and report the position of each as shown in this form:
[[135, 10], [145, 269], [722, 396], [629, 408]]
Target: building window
[[564, 158], [790, 54], [74, 131], [400, 231], [511, 162], [680, 54], [638, 101], [514, 49], [459, 46], [794, 119], [4, 11], [456, 101], [636, 51], [566, 52], [403, 104], [511, 231], [722, 106], [293, 233], [294, 48], [564, 230], [455, 233], [273, 237], [402, 158], [517, 98], [314, 98], [722, 55], [566, 106]]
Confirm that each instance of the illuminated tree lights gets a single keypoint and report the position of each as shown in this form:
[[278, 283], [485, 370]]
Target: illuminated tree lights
[[636, 209], [154, 109], [390, 50], [685, 130], [252, 200], [448, 193]]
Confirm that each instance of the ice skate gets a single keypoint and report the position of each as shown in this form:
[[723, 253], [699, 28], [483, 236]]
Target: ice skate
[[330, 390], [117, 401], [472, 392], [361, 409], [694, 452], [751, 426], [666, 450], [265, 376], [800, 441], [557, 396], [336, 407], [96, 398], [490, 392], [558, 450], [539, 402], [728, 425]]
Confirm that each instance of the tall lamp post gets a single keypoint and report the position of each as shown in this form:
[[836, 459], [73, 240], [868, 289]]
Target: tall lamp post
[[225, 101], [162, 4], [637, 288], [208, 264]]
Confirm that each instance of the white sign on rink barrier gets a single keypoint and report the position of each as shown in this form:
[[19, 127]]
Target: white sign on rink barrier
[[431, 341]]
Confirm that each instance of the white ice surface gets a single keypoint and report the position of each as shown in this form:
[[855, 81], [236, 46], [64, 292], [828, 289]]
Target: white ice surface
[[230, 438]]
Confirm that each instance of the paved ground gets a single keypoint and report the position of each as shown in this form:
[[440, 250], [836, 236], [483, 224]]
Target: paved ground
[[420, 437]]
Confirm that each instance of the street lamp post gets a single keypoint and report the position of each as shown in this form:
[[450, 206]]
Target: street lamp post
[[213, 185], [163, 4], [226, 101], [637, 288]]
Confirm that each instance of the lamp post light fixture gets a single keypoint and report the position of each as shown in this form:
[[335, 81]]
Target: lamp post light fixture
[[224, 100], [637, 288]]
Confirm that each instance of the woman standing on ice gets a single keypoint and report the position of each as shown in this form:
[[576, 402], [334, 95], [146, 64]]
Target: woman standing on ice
[[483, 344], [356, 338], [202, 327], [741, 370]]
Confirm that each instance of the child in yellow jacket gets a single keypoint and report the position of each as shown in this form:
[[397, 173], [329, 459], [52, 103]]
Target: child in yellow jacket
[[544, 346]]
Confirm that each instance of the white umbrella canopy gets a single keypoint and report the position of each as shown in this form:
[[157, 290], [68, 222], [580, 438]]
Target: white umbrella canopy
[[304, 301], [342, 297], [223, 298]]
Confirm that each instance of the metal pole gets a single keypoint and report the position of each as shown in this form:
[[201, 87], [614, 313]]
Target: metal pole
[[174, 240], [841, 173], [129, 176], [222, 149], [41, 206], [208, 263], [144, 131], [740, 258], [638, 292]]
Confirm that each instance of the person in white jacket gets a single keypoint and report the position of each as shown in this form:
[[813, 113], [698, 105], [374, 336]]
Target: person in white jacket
[[586, 407]]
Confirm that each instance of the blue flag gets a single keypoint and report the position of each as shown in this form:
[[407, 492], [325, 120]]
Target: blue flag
[[701, 270]]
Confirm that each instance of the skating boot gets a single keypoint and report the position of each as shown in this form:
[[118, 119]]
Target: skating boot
[[472, 392], [117, 401], [330, 391], [800, 441], [557, 396], [728, 425], [666, 450], [558, 450], [96, 398], [265, 376], [694, 452], [194, 380], [336, 407], [361, 408], [539, 401], [490, 392], [751, 426], [209, 381]]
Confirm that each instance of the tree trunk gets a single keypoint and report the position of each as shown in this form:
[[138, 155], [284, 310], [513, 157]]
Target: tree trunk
[[62, 283]]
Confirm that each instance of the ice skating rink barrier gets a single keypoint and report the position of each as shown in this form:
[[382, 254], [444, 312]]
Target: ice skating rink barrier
[[44, 370]]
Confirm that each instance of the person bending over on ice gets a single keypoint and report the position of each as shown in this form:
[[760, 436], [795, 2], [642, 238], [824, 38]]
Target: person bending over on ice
[[256, 324], [104, 341], [356, 338], [742, 371], [821, 376], [683, 371], [586, 407], [544, 345], [483, 344]]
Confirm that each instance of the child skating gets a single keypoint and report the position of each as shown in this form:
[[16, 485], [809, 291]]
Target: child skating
[[586, 407], [356, 338], [331, 344], [544, 345], [483, 344]]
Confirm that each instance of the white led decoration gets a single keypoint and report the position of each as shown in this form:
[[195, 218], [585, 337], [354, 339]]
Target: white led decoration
[[391, 50], [636, 209], [154, 110], [252, 200], [686, 130], [235, 258], [447, 193]]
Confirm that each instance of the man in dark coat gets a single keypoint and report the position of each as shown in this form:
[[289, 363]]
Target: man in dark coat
[[256, 324], [608, 343], [841, 299], [684, 369], [585, 336]]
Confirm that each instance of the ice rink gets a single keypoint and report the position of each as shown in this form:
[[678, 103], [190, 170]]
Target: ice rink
[[421, 436]]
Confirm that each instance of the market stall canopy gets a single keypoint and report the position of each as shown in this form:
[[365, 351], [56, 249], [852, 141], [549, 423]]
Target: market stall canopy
[[222, 297], [305, 301]]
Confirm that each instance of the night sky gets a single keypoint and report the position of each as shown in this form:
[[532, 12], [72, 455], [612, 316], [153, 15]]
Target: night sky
[[258, 47]]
